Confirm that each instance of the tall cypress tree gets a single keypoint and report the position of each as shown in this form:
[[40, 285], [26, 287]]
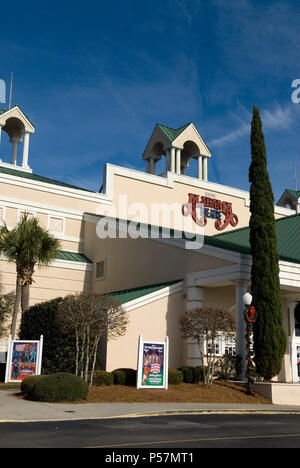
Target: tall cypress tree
[[269, 336]]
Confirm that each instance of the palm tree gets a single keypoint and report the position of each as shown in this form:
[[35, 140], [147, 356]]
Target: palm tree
[[26, 245]]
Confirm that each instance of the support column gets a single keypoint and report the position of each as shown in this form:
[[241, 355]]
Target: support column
[[194, 300], [148, 166], [173, 162], [25, 151], [205, 175], [14, 153], [178, 161], [152, 166], [240, 290], [168, 160], [200, 168]]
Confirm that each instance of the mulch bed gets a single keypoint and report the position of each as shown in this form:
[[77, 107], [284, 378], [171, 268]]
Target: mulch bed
[[219, 392]]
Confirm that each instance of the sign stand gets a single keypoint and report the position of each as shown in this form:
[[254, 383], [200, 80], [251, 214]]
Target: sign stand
[[153, 364], [24, 359]]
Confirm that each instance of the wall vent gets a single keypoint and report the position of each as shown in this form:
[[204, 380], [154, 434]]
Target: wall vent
[[100, 269]]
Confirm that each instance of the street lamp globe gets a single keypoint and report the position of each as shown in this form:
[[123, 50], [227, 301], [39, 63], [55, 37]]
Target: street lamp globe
[[247, 299]]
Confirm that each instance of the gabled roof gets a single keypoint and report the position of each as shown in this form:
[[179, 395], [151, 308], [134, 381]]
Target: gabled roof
[[294, 193], [172, 133], [288, 239], [128, 295]]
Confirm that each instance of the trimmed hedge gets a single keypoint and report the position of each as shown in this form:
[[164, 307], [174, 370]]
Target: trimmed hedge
[[124, 377], [59, 387], [192, 374], [28, 384], [175, 377], [103, 378]]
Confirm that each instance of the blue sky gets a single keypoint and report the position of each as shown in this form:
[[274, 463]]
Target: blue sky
[[95, 78]]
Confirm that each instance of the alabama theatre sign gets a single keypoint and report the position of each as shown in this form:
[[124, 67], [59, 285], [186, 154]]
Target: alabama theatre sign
[[204, 208]]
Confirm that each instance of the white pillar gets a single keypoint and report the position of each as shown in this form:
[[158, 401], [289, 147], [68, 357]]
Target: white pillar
[[168, 160], [205, 175], [173, 162], [178, 161], [152, 166], [14, 153], [200, 171], [25, 151], [147, 166], [194, 300], [0, 132], [240, 290]]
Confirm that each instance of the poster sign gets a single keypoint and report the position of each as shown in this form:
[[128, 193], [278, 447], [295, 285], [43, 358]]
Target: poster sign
[[153, 359], [24, 359]]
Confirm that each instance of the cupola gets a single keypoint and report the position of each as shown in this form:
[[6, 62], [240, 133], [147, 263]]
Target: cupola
[[18, 128], [178, 146]]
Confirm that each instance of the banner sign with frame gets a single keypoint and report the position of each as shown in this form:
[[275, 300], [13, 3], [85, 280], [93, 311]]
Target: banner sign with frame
[[24, 359], [153, 359]]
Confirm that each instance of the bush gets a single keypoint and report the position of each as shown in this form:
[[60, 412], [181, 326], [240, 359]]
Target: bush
[[103, 378], [28, 384], [124, 377], [192, 374], [175, 377], [188, 374], [2, 372], [59, 347], [228, 367], [60, 387]]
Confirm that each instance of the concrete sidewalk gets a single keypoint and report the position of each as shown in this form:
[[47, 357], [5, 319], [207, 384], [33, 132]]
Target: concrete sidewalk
[[14, 409]]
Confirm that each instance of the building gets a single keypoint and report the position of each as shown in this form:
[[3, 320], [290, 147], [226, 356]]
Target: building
[[145, 238]]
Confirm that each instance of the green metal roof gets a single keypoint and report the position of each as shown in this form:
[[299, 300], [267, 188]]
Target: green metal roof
[[238, 240], [38, 178], [132, 294], [72, 257], [294, 193], [288, 239], [172, 133]]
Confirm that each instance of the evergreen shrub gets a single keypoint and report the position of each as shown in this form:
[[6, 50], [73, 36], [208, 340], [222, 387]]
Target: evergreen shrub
[[175, 377], [28, 384], [60, 387], [103, 378], [124, 377]]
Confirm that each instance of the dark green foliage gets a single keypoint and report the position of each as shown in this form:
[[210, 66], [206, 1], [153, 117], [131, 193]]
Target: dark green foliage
[[59, 387], [59, 346], [175, 377], [192, 374], [269, 337], [2, 372], [124, 377], [28, 384], [103, 378]]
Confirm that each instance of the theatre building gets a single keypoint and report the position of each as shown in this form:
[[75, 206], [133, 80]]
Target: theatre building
[[160, 240]]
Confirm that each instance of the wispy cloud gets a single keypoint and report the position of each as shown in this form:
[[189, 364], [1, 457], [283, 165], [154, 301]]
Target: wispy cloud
[[276, 119]]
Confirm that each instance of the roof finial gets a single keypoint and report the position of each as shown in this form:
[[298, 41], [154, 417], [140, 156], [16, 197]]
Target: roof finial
[[10, 91]]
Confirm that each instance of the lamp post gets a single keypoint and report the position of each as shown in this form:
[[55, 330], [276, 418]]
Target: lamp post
[[250, 316]]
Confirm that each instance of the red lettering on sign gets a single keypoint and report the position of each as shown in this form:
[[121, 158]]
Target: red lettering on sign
[[216, 208]]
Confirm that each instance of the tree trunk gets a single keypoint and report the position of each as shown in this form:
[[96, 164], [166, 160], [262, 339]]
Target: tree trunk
[[17, 308], [25, 298]]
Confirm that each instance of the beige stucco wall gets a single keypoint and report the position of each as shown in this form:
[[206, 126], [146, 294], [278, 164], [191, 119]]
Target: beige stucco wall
[[132, 263], [154, 321]]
